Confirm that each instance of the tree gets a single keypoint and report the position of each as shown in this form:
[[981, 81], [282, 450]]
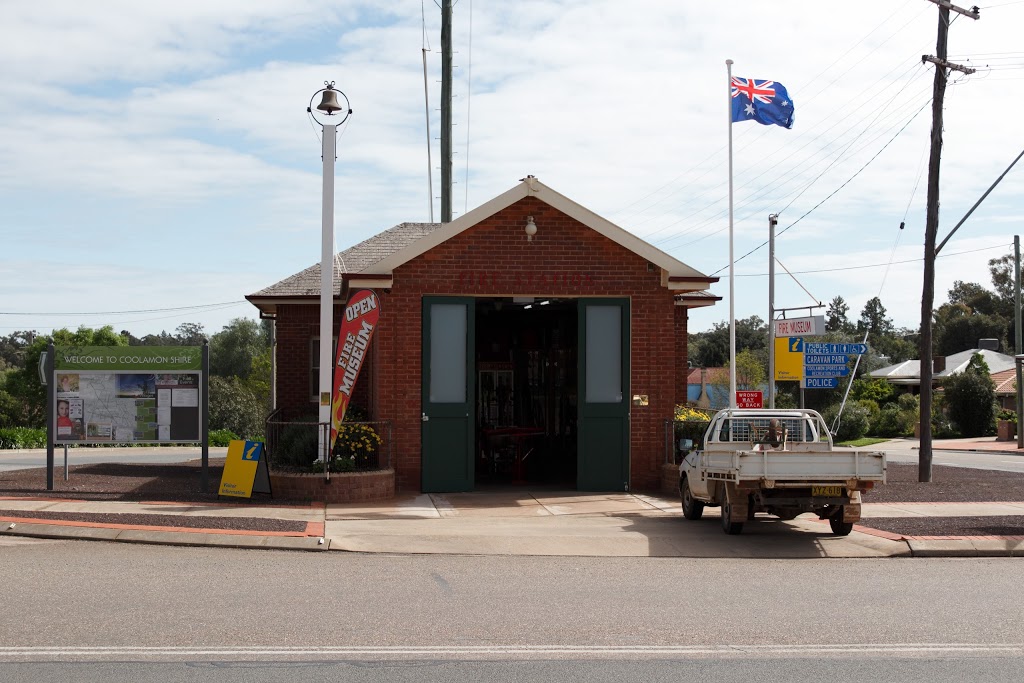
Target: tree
[[974, 297], [1001, 270], [750, 371], [233, 349], [12, 349], [874, 321], [970, 397], [835, 316], [963, 332], [189, 334], [710, 349], [23, 384], [895, 348], [234, 407]]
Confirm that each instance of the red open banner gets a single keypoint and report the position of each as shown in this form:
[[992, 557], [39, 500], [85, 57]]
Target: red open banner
[[361, 315]]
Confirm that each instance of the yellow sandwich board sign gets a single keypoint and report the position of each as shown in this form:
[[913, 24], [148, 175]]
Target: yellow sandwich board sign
[[245, 470]]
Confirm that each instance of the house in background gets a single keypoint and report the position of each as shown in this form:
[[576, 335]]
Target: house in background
[[1006, 388], [908, 373]]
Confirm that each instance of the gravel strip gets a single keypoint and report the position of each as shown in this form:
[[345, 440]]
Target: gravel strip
[[948, 526], [948, 485], [179, 483]]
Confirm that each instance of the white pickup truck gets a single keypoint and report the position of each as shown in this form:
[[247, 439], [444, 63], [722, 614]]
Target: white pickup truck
[[781, 462]]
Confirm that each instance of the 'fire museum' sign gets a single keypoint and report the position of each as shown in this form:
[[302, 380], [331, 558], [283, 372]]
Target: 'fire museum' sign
[[361, 315]]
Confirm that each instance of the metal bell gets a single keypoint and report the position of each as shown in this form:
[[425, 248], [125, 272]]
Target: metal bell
[[329, 103]]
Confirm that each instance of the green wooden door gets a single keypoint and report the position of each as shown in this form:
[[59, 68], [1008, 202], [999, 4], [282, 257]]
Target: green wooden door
[[603, 455], [448, 400]]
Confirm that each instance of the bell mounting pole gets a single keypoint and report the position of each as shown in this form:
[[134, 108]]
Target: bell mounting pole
[[333, 114]]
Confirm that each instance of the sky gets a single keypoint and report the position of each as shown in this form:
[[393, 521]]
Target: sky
[[157, 162]]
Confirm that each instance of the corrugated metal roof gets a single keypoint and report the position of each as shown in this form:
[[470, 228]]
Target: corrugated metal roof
[[911, 369]]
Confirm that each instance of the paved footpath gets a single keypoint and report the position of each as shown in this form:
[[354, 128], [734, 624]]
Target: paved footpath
[[521, 523], [513, 523]]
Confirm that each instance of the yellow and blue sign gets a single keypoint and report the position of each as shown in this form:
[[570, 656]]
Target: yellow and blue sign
[[789, 359], [245, 470]]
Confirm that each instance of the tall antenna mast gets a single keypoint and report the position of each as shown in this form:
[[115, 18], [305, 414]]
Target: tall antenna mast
[[446, 111]]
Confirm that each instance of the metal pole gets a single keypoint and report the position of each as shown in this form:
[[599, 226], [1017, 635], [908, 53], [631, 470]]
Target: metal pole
[[204, 399], [1017, 329], [65, 462], [772, 220], [446, 111], [327, 282], [51, 410], [732, 266], [978, 203], [430, 164]]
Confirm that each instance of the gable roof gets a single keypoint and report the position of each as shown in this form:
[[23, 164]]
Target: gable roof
[[373, 261], [1005, 381], [353, 260], [532, 187]]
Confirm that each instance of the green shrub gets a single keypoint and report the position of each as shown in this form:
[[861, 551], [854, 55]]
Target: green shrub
[[877, 390], [1007, 416], [969, 397], [22, 437], [234, 407], [222, 437], [853, 424], [297, 446], [872, 408]]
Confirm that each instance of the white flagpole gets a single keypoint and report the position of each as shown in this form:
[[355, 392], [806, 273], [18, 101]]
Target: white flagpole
[[732, 287]]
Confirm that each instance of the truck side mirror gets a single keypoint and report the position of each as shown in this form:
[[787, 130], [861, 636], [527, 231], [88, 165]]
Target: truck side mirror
[[685, 444]]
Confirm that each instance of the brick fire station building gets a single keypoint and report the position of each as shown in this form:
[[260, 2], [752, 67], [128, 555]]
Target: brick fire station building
[[530, 341]]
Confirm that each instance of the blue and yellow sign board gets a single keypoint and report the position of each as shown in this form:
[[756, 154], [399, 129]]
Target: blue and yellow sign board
[[789, 359], [245, 470]]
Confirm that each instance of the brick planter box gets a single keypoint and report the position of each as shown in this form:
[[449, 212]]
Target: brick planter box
[[1006, 430], [344, 487]]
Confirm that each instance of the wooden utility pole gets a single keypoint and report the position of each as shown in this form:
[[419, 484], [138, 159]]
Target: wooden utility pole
[[446, 111], [931, 228]]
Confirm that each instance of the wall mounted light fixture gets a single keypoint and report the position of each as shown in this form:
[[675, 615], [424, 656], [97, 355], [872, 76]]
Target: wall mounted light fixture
[[531, 228]]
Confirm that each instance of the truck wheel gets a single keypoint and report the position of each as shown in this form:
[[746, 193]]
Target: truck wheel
[[692, 508], [728, 526], [839, 527]]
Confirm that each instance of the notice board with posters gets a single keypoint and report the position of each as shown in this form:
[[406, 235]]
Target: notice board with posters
[[135, 394]]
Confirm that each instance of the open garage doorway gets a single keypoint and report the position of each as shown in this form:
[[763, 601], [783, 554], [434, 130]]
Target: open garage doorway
[[526, 392]]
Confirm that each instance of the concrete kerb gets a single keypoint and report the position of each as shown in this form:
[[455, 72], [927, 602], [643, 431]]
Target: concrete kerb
[[198, 538]]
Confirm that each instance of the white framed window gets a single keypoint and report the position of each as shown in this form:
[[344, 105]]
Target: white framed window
[[314, 366]]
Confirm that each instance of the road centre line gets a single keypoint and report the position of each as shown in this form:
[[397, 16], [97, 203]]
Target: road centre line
[[734, 651]]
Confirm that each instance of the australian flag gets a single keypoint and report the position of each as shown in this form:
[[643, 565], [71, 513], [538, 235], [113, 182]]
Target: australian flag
[[766, 102]]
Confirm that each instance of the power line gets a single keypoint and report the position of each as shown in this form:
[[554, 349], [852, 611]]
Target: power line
[[877, 265], [198, 307]]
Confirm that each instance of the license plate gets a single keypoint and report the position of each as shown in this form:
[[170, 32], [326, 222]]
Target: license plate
[[827, 491]]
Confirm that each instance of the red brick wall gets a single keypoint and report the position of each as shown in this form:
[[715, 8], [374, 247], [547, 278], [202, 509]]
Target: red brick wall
[[296, 325], [494, 258], [682, 314]]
